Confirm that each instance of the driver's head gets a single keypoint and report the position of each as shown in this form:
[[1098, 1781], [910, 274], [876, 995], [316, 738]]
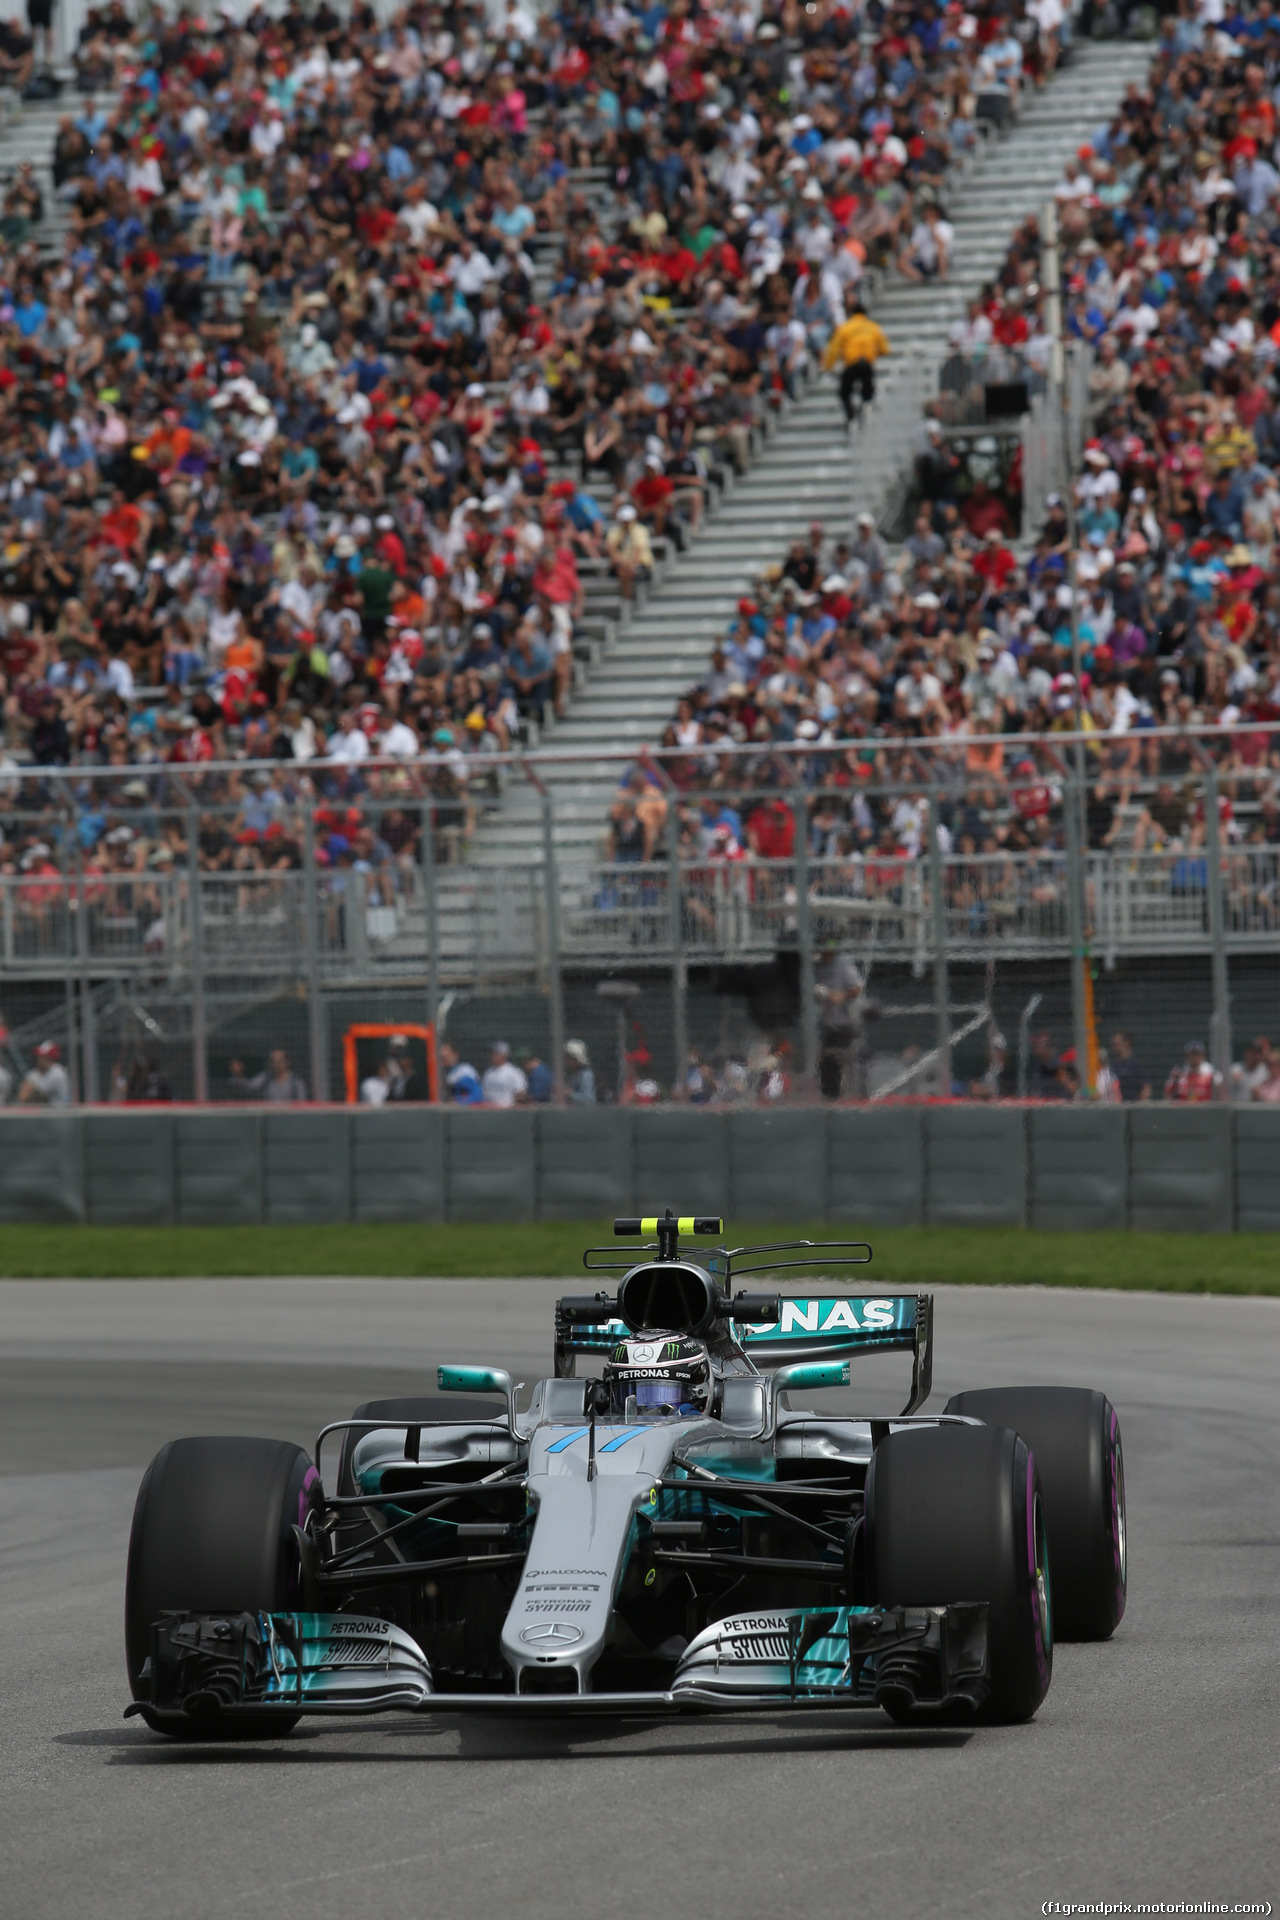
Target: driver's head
[[665, 1373]]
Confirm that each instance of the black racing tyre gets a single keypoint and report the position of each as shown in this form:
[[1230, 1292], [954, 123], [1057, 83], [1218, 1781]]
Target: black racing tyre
[[424, 1407], [955, 1513], [213, 1532], [1075, 1437]]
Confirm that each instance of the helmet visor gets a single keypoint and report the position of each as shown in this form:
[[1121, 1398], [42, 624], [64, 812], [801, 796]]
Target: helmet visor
[[666, 1396]]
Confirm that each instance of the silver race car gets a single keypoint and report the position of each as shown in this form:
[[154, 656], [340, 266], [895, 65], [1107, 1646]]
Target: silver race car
[[678, 1532]]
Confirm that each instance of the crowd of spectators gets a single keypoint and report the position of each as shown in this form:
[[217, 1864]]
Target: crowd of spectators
[[124, 857], [302, 459], [853, 1065], [518, 1079], [1123, 1077], [1171, 272], [864, 648], [298, 466]]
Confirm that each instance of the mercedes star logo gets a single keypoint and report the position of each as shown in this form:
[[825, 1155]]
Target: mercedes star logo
[[552, 1633]]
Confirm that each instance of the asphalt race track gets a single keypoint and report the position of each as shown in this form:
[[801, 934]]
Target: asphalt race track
[[1151, 1773]]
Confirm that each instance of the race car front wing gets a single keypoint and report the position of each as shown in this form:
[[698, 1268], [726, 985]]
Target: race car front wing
[[210, 1665]]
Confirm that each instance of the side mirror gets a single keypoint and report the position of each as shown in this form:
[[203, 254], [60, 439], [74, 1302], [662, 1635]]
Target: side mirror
[[812, 1373], [481, 1380], [473, 1380], [805, 1373]]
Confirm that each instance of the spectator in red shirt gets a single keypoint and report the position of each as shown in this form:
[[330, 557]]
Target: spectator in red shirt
[[678, 267], [1195, 1081], [1010, 328], [984, 512], [377, 222], [652, 494], [771, 830], [994, 562]]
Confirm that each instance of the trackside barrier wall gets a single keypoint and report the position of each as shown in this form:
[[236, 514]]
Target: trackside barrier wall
[[975, 1166], [679, 1153], [306, 1167], [778, 1173], [583, 1163], [42, 1169], [1257, 1188], [129, 1175], [1193, 1169], [218, 1168], [875, 1166], [1078, 1161], [397, 1165], [1180, 1161], [489, 1166]]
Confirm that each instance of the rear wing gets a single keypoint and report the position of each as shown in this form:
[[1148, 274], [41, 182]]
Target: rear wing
[[808, 1327]]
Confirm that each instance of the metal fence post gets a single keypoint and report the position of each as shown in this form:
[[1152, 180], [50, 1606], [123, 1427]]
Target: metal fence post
[[73, 1051], [551, 885], [675, 903], [72, 981], [432, 921], [1073, 802], [89, 1036], [1220, 1050], [199, 1036], [804, 928], [941, 984], [311, 934]]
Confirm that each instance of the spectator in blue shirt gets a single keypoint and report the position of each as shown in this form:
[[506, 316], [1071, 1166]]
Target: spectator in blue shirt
[[29, 313], [542, 1082], [806, 138], [512, 217], [1223, 508], [579, 1080], [529, 673], [482, 649], [461, 1080]]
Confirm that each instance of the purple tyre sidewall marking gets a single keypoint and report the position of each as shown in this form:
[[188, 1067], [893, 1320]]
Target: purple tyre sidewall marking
[[1115, 1492], [1044, 1629], [306, 1495], [310, 1480]]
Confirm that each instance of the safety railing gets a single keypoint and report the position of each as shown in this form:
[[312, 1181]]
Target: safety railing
[[896, 856]]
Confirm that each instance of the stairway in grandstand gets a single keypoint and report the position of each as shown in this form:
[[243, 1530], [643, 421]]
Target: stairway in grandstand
[[805, 471], [28, 129]]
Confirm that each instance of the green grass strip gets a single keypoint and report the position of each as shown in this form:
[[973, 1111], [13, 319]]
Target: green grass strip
[[904, 1256]]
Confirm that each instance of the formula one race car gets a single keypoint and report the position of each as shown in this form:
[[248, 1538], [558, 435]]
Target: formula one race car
[[675, 1534]]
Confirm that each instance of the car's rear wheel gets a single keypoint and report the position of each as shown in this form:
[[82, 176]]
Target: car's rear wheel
[[955, 1513], [1075, 1437], [213, 1533]]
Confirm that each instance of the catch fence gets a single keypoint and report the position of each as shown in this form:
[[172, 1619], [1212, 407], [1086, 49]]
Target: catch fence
[[989, 918]]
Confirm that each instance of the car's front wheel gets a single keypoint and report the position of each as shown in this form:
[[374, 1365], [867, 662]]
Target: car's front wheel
[[213, 1533], [955, 1513]]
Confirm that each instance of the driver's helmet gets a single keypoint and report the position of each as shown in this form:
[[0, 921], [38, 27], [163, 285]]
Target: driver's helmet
[[667, 1373]]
